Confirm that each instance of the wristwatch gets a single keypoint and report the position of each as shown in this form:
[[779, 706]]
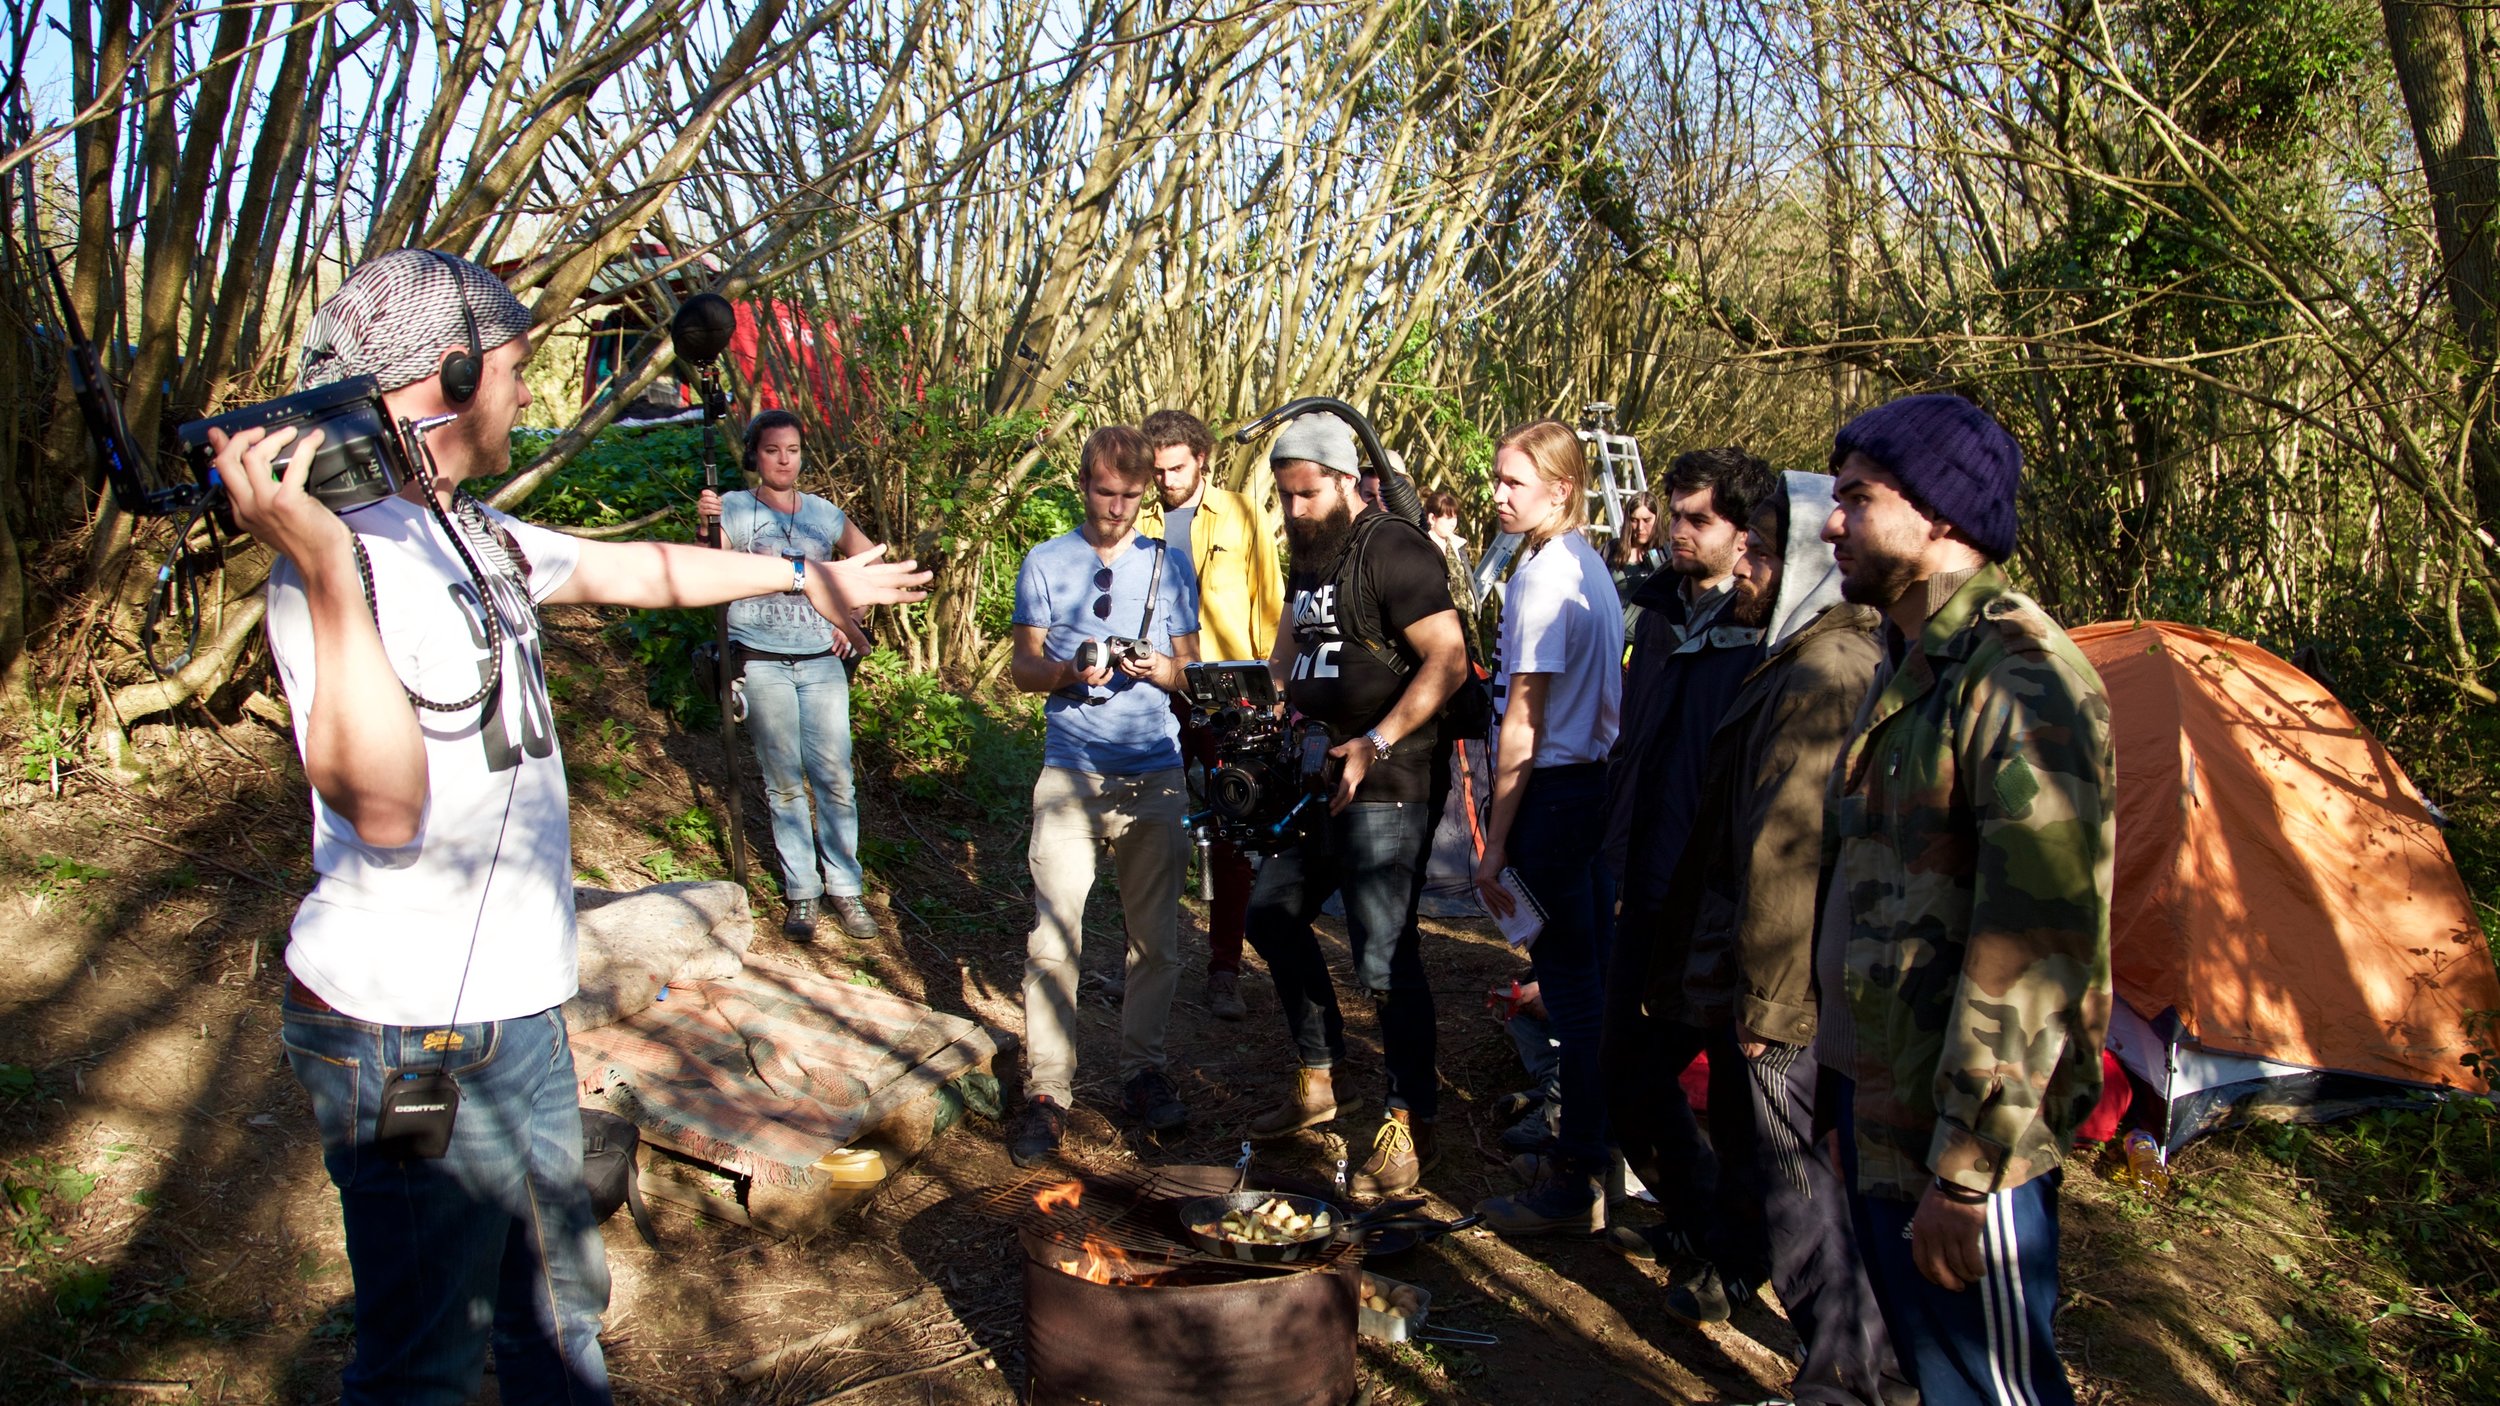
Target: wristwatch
[[798, 575], [1380, 745]]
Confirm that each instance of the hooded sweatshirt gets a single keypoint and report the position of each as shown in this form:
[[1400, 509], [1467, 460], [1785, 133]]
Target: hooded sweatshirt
[[1744, 893]]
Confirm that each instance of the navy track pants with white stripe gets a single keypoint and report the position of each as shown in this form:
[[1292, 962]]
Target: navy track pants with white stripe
[[1989, 1344]]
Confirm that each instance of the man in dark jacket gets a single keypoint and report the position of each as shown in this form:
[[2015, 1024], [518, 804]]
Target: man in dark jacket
[[1736, 956], [1687, 661]]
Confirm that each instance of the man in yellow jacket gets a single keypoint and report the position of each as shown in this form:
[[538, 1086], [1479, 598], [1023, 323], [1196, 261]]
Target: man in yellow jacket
[[1228, 542]]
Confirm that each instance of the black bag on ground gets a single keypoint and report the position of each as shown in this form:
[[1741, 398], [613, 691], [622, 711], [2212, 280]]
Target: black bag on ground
[[611, 1169]]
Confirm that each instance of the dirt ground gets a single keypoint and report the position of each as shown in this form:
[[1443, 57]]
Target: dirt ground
[[171, 1228]]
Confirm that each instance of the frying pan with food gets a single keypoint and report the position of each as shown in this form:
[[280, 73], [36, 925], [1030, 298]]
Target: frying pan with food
[[1274, 1227]]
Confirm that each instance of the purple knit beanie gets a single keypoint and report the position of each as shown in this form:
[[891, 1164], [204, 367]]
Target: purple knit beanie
[[1950, 455]]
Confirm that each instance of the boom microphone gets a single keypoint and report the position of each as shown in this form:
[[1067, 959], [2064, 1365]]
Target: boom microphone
[[702, 328]]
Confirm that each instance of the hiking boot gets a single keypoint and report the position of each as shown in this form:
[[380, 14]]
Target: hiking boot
[[851, 911], [1697, 1295], [1564, 1201], [1150, 1098], [1400, 1154], [1312, 1102], [1034, 1137], [1528, 1166], [1655, 1243], [1224, 995], [799, 924]]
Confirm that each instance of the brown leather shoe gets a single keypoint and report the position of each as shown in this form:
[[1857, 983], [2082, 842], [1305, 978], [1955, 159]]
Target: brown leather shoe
[[1401, 1153], [1312, 1102]]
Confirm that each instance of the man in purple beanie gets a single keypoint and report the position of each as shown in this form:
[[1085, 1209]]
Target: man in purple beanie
[[1962, 954]]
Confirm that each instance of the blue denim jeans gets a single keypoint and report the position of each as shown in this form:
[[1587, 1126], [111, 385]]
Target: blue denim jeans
[[494, 1240], [1374, 854], [800, 717], [1557, 843]]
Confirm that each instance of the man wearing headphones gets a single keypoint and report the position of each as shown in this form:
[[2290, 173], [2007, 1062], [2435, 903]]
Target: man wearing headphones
[[798, 687], [430, 963]]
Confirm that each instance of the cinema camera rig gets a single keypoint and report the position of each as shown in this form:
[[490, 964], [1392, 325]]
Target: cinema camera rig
[[1271, 767], [365, 456]]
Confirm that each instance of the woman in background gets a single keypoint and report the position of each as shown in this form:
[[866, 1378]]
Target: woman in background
[[1557, 702]]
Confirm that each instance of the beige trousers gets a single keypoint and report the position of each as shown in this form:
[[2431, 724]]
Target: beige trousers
[[1076, 814]]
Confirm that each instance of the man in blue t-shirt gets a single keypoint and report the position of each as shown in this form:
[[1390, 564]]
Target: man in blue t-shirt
[[797, 688], [1111, 775]]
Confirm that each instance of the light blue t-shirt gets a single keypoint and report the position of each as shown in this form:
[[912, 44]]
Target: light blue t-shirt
[[1176, 536], [782, 623], [1126, 727]]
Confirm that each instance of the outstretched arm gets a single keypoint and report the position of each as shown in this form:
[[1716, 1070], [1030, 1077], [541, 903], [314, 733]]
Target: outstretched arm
[[663, 575]]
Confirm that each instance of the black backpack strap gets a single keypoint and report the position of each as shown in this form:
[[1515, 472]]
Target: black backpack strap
[[634, 1208], [1355, 621]]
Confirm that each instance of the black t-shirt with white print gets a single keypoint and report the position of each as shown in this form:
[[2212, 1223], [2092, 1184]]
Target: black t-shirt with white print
[[1337, 681]]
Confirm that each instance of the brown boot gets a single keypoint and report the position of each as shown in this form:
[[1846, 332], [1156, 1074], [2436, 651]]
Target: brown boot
[[1312, 1102], [1400, 1154]]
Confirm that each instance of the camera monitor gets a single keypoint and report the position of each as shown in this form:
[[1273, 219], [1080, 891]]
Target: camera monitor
[[1231, 681]]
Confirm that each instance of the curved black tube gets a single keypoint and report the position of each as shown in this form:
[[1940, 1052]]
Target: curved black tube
[[1397, 491]]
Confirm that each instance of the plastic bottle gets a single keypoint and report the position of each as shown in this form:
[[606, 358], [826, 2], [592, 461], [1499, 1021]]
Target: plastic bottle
[[2145, 1164]]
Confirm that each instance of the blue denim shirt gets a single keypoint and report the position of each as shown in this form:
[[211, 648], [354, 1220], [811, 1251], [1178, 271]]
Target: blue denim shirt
[[1127, 726]]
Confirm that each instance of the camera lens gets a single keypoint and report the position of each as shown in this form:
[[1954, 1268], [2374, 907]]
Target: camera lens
[[1232, 792]]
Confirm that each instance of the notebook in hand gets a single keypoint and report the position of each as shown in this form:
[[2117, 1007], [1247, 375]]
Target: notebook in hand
[[1527, 916]]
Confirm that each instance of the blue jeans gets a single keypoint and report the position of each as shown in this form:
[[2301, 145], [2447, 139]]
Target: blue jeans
[[493, 1240], [1374, 854], [800, 717], [1556, 843]]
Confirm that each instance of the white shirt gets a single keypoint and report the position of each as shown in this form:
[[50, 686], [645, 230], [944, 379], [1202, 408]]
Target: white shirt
[[385, 933], [1560, 618]]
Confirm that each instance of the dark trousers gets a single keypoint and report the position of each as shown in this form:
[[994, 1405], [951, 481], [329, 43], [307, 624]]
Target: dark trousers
[[1642, 1057], [1990, 1344], [1555, 843], [1374, 854], [1228, 915], [1783, 1215]]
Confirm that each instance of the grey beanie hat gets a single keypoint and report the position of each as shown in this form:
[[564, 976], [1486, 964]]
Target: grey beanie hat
[[1320, 438], [396, 313]]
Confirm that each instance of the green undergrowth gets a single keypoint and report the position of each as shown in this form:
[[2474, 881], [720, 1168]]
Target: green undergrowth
[[2405, 1306], [935, 740]]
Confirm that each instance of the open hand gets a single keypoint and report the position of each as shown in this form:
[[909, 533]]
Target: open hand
[[842, 590]]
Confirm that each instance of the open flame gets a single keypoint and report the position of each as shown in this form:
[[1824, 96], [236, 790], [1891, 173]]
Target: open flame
[[1094, 1259]]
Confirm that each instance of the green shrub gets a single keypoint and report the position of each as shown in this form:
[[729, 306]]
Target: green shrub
[[938, 739]]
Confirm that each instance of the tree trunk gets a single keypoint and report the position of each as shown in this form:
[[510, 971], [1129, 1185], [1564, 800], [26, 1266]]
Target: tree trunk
[[2448, 64]]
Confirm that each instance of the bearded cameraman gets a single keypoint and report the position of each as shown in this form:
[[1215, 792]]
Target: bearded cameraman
[[436, 949], [1370, 647]]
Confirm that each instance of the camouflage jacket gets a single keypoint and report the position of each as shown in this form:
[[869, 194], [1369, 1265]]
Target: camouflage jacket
[[1971, 829]]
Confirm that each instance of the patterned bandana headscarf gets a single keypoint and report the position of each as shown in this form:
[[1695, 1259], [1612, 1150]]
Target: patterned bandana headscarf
[[396, 313]]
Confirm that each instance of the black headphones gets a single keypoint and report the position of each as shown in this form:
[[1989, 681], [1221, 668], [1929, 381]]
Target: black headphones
[[462, 371]]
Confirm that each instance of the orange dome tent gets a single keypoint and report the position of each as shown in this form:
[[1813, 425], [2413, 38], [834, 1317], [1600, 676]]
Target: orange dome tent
[[2289, 936]]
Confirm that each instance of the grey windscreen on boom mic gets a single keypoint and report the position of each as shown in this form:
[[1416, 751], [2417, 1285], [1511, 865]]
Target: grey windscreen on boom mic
[[702, 327]]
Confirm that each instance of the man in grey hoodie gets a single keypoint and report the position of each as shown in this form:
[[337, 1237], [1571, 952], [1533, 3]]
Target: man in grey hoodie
[[1743, 902]]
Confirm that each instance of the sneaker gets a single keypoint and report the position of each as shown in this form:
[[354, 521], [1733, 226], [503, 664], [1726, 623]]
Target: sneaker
[[1224, 995], [799, 924], [1034, 1137], [1150, 1098], [1532, 1132], [1401, 1153], [1564, 1201], [1312, 1102], [851, 911], [1697, 1295]]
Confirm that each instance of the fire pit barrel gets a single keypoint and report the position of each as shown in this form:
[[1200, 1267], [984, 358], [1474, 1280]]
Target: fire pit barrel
[[1271, 1340]]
